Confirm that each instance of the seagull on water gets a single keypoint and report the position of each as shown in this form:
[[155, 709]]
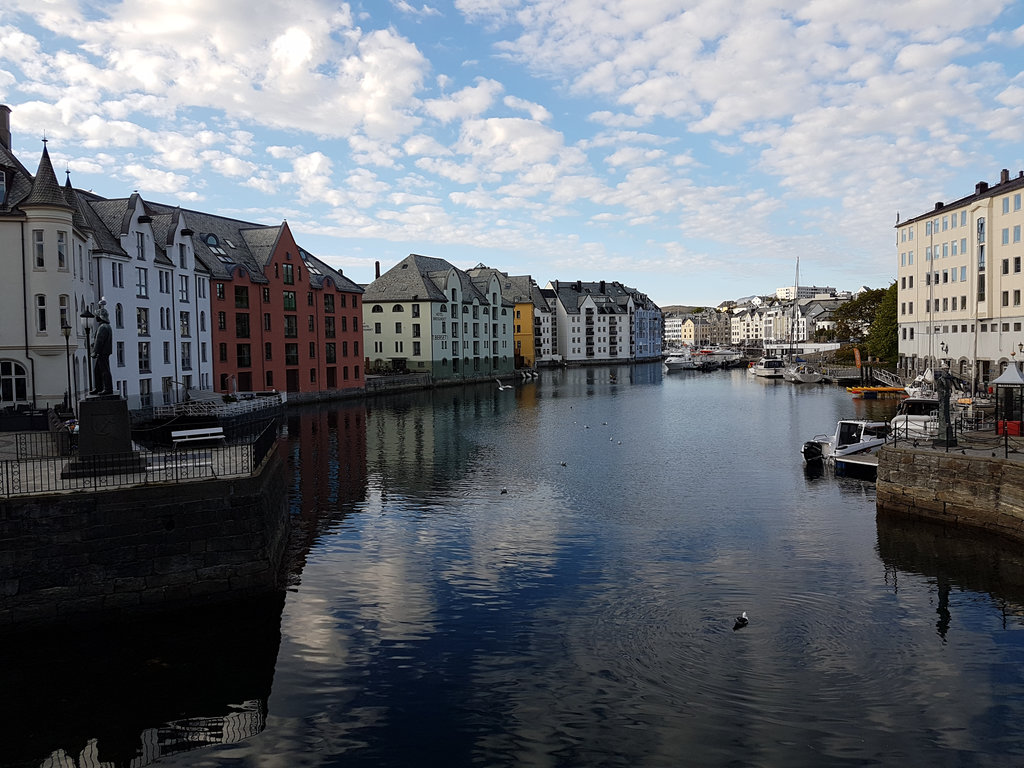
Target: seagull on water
[[741, 621], [503, 386]]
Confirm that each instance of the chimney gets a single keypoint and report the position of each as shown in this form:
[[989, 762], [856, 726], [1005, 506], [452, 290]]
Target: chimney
[[1004, 176], [376, 270], [938, 206], [602, 286], [579, 286], [981, 186], [5, 126]]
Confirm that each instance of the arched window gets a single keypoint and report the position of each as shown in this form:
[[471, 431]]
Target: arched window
[[13, 382], [376, 308], [444, 309], [202, 321], [398, 308], [119, 316], [444, 362], [465, 309]]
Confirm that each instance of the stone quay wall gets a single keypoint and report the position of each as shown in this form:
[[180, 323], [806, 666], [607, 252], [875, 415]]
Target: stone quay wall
[[112, 555], [980, 492]]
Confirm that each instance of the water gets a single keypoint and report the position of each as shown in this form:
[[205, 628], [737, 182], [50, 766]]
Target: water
[[584, 617]]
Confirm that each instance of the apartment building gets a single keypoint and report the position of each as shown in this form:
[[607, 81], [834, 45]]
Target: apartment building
[[959, 270]]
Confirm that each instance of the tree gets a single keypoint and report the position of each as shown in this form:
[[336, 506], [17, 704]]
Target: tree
[[854, 318], [883, 340]]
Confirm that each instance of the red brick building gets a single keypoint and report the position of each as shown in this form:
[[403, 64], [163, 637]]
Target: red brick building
[[281, 318]]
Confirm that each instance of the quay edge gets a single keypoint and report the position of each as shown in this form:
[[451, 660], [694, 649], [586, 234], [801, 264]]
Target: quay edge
[[114, 555], [979, 492]]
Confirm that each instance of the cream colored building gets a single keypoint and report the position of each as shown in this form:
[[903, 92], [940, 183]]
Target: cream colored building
[[960, 277]]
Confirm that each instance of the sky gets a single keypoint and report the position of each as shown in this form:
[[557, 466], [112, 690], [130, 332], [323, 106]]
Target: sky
[[691, 149]]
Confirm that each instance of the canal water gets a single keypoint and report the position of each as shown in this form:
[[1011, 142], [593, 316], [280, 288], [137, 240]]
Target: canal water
[[550, 576]]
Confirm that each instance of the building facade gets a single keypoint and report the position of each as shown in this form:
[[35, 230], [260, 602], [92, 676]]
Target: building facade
[[959, 270]]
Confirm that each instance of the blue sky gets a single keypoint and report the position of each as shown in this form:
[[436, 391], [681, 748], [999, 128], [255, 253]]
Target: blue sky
[[692, 150]]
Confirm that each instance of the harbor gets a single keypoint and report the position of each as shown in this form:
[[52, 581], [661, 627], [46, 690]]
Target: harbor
[[517, 575]]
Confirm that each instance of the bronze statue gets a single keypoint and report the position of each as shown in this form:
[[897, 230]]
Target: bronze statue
[[102, 380]]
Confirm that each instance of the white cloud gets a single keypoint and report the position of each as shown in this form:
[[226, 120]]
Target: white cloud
[[467, 103]]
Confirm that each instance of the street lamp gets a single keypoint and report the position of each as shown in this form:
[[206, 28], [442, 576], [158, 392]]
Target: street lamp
[[87, 317], [65, 331]]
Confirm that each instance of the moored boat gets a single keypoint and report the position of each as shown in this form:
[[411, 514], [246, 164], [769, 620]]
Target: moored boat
[[768, 367], [802, 373], [852, 436]]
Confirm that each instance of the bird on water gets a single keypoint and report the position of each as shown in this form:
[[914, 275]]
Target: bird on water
[[741, 621], [503, 386]]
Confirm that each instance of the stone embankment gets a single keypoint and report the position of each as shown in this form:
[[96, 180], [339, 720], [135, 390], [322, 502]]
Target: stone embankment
[[960, 487]]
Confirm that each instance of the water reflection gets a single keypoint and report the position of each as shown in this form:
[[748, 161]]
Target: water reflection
[[95, 695], [585, 616]]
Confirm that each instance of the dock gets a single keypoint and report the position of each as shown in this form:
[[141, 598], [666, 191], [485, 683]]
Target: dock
[[858, 465]]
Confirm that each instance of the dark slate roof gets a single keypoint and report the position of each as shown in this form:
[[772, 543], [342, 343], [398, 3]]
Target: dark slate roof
[[92, 208], [412, 278], [78, 218], [19, 180], [320, 273], [982, 190], [46, 190]]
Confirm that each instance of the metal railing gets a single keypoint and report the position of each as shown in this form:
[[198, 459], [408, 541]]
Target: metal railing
[[42, 467]]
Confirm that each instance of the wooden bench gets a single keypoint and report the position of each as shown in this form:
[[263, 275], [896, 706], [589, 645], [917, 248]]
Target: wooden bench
[[186, 436]]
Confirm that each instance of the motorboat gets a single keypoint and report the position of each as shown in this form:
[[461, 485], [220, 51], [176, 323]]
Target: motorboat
[[916, 417], [680, 361], [802, 373], [719, 357], [769, 367], [852, 436]]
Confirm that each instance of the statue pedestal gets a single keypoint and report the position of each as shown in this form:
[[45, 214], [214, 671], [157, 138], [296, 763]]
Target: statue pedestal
[[104, 439]]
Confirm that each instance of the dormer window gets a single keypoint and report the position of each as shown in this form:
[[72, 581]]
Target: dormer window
[[3, 186], [214, 245]]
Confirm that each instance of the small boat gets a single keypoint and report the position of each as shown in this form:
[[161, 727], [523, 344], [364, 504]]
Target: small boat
[[852, 436], [680, 361], [802, 373], [769, 367], [917, 417], [877, 393]]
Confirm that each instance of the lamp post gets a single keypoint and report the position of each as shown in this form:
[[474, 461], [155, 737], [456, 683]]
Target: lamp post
[[87, 317], [65, 331]]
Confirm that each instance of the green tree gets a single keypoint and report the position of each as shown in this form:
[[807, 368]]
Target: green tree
[[854, 318], [883, 340]]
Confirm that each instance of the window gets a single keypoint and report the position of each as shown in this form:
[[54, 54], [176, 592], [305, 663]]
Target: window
[[415, 330], [330, 352], [186, 355], [1005, 234], [202, 322], [312, 350], [289, 274], [185, 324], [243, 356], [144, 356], [1016, 298], [1006, 205], [268, 351], [266, 321], [118, 316], [120, 354], [38, 249], [62, 308], [167, 353], [309, 298], [164, 280], [40, 313], [289, 301], [328, 302], [1006, 298], [291, 326], [140, 246], [329, 327], [141, 282], [415, 310], [182, 256], [142, 321], [183, 288], [62, 250], [242, 325], [311, 324], [241, 297], [13, 378], [291, 354], [222, 321], [1016, 264], [222, 352], [398, 327], [219, 288], [416, 349]]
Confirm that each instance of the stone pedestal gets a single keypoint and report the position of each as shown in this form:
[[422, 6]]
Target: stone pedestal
[[104, 439], [103, 426]]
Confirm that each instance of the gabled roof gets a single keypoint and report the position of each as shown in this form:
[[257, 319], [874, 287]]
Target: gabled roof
[[414, 277]]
